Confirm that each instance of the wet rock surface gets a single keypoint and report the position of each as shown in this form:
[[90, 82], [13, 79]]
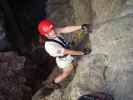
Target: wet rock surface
[[12, 80], [20, 76], [108, 67]]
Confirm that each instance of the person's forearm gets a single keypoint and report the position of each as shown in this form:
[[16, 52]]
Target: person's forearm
[[72, 52], [68, 29]]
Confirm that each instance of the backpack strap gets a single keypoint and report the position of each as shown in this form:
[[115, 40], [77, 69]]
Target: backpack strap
[[63, 43], [56, 42]]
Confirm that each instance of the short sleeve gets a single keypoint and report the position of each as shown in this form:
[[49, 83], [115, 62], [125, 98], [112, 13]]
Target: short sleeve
[[54, 49]]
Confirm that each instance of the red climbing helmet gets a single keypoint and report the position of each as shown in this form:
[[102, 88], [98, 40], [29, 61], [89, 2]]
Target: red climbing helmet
[[45, 26]]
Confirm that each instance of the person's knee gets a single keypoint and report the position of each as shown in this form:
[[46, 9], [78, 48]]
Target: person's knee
[[67, 72]]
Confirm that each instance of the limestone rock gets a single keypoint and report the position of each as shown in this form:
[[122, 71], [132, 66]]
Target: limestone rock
[[106, 9], [11, 77], [109, 66], [82, 11], [115, 40], [60, 11]]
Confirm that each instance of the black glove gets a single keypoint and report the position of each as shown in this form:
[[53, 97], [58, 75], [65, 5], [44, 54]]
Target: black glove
[[86, 28], [86, 51]]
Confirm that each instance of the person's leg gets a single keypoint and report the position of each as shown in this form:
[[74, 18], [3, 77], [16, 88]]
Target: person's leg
[[66, 72]]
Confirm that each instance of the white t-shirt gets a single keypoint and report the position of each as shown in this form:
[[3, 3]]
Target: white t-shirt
[[54, 49]]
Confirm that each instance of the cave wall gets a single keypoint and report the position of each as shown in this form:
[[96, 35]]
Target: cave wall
[[61, 12], [106, 9], [82, 11], [109, 66], [21, 76]]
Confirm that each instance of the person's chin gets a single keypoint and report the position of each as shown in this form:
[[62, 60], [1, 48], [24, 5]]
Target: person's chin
[[52, 36]]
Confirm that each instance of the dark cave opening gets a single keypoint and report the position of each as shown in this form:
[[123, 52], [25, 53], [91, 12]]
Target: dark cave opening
[[21, 18]]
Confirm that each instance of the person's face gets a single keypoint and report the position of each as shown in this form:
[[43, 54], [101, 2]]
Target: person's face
[[51, 34]]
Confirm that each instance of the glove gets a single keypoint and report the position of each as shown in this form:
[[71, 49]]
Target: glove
[[86, 28], [86, 51]]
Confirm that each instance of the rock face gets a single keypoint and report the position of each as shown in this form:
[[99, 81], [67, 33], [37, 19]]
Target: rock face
[[108, 68], [106, 9], [118, 40], [12, 81], [60, 11], [82, 11]]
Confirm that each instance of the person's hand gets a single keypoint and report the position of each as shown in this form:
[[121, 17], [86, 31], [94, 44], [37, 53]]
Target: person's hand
[[86, 51], [86, 28]]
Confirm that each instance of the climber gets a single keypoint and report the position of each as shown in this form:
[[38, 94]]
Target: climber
[[57, 47]]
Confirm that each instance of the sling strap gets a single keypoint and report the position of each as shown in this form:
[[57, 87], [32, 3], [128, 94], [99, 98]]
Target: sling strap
[[62, 42]]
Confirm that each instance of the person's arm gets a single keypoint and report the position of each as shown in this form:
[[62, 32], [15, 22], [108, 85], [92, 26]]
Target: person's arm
[[72, 52], [68, 29]]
